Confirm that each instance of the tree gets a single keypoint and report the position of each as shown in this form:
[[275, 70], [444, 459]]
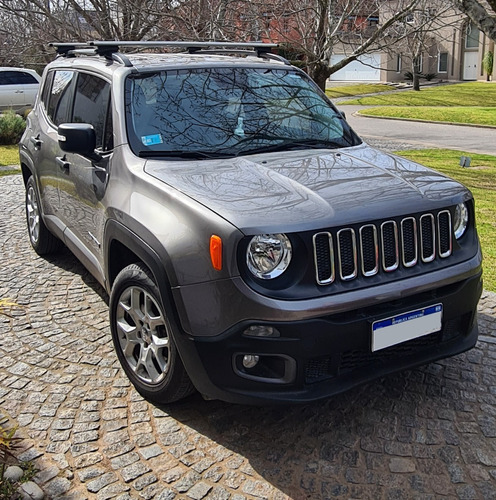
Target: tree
[[421, 31], [483, 14], [354, 27], [315, 29]]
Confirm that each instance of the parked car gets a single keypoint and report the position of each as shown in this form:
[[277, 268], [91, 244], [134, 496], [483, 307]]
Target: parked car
[[18, 88], [253, 246]]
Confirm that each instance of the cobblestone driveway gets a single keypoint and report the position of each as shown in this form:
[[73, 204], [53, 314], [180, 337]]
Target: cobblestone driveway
[[425, 433]]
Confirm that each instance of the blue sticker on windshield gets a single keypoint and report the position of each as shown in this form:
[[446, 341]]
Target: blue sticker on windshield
[[150, 140]]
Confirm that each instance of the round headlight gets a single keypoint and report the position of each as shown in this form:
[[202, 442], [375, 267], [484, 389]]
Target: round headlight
[[461, 220], [268, 255]]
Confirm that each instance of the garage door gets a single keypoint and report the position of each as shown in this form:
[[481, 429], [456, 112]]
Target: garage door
[[366, 68]]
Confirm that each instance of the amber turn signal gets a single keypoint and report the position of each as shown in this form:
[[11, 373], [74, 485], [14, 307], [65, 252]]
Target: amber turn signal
[[216, 252]]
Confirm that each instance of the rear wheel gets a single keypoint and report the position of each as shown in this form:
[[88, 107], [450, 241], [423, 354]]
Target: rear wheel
[[142, 337], [42, 240]]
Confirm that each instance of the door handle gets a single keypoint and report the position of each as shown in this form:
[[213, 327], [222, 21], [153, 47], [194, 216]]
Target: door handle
[[62, 162], [36, 141]]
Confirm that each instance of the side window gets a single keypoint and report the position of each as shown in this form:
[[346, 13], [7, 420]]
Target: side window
[[60, 98], [25, 78], [16, 78], [91, 106]]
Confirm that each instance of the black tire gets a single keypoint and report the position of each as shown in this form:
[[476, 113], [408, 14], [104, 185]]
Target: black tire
[[142, 337], [42, 240]]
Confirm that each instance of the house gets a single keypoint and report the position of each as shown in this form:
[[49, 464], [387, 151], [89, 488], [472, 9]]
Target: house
[[451, 48]]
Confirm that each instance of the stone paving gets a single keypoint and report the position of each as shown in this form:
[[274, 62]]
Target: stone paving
[[425, 433]]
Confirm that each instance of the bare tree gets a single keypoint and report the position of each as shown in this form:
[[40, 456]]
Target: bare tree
[[483, 14], [320, 28], [419, 32], [316, 29]]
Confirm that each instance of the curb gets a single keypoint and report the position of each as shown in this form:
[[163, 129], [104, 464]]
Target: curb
[[474, 125]]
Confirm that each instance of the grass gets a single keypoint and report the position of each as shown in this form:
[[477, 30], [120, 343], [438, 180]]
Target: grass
[[464, 115], [358, 89], [480, 178], [9, 155], [462, 94]]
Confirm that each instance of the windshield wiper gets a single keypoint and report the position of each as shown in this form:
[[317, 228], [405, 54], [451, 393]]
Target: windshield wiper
[[184, 155], [290, 145]]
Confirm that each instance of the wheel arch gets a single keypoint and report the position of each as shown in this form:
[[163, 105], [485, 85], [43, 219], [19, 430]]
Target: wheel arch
[[26, 172], [124, 246]]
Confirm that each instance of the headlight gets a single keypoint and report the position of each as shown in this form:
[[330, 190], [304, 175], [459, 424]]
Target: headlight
[[461, 220], [268, 255]]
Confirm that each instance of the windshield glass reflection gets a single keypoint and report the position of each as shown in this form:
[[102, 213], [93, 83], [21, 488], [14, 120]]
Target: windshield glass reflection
[[216, 112]]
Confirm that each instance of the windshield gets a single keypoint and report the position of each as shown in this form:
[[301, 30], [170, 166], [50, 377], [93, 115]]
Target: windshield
[[216, 112]]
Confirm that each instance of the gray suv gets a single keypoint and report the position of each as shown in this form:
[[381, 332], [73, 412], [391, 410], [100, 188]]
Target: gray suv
[[253, 246]]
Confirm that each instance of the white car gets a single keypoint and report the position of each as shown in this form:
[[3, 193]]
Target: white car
[[18, 88]]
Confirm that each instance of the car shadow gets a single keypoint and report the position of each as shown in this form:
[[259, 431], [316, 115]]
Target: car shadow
[[400, 435], [64, 259]]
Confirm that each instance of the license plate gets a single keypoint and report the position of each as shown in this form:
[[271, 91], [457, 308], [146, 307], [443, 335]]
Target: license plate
[[407, 326]]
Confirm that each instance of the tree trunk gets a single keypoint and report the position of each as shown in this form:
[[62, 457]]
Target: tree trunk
[[416, 81], [319, 72]]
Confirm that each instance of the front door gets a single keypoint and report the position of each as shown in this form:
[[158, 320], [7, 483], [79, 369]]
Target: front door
[[470, 60], [83, 181]]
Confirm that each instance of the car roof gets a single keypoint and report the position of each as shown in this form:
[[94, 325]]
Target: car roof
[[13, 68]]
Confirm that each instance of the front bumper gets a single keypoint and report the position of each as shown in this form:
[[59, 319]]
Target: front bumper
[[320, 356]]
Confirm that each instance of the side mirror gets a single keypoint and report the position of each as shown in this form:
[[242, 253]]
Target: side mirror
[[79, 138], [343, 114]]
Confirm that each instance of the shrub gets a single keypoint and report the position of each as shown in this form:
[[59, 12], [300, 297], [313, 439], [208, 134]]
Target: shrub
[[488, 63], [11, 128]]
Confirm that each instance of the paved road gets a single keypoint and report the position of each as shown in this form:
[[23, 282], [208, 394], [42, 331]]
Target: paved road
[[426, 433], [435, 135]]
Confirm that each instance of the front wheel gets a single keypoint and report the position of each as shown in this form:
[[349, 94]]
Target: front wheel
[[142, 338], [42, 240]]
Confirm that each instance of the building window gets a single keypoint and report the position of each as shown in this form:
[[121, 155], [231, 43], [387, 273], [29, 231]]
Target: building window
[[418, 64], [442, 62], [472, 38], [398, 63]]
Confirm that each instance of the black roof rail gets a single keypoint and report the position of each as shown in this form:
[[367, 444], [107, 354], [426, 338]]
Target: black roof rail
[[111, 48], [64, 49]]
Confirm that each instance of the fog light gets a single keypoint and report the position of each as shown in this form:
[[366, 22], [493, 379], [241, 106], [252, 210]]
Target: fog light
[[250, 360], [262, 331]]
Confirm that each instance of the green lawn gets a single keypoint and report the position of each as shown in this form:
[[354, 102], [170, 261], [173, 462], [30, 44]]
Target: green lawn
[[9, 155], [480, 178], [358, 89], [462, 94], [458, 114]]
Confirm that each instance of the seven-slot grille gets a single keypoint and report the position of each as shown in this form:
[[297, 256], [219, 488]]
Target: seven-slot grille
[[384, 246]]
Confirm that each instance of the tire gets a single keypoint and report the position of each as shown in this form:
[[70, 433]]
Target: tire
[[143, 340], [42, 240]]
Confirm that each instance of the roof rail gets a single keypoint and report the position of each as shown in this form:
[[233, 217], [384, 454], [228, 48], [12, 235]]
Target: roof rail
[[111, 48], [191, 47], [64, 49]]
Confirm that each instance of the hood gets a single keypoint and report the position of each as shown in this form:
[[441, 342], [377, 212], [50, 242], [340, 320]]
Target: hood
[[303, 190]]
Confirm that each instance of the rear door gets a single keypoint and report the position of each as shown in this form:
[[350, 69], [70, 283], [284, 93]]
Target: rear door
[[55, 107]]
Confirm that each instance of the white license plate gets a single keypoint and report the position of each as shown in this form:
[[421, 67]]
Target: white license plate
[[407, 326]]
